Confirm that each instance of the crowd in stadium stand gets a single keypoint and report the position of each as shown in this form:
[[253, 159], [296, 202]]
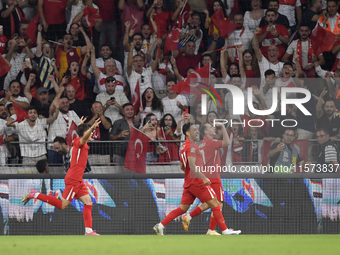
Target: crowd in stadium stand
[[85, 58]]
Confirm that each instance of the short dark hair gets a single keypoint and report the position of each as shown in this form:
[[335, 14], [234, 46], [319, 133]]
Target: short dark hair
[[127, 104], [239, 13], [304, 24], [105, 45], [145, 24], [271, 10], [60, 140], [269, 72], [335, 1], [235, 76], [13, 81], [41, 165], [207, 55], [171, 80], [189, 41], [66, 35], [288, 64], [31, 107], [277, 1], [82, 128], [324, 129], [203, 127], [186, 127], [289, 128], [140, 34]]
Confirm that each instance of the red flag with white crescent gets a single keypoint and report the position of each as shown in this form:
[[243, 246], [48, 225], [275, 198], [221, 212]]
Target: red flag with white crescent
[[171, 41], [72, 133], [136, 151]]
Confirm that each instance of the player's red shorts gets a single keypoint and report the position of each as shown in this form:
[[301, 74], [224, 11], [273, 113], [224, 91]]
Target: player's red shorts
[[218, 188], [202, 192], [74, 190]]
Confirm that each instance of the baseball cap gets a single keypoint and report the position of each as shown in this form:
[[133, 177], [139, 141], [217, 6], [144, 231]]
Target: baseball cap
[[41, 90]]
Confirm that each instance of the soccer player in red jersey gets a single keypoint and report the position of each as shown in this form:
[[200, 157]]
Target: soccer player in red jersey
[[74, 184], [209, 149], [195, 183]]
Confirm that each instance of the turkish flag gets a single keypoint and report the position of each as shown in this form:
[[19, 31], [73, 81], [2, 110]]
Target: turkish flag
[[90, 17], [4, 66], [136, 100], [136, 151], [322, 40], [21, 114], [184, 15], [300, 145], [72, 133], [188, 85], [171, 41], [32, 28], [225, 28]]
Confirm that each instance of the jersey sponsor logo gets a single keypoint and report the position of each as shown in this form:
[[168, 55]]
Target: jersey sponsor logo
[[192, 150]]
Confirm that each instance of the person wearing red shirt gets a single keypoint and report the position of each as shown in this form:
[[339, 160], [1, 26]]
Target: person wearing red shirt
[[74, 184], [195, 185], [273, 34], [161, 17], [209, 147]]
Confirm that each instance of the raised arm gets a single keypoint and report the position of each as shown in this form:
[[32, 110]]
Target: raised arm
[[56, 100], [7, 13], [319, 110], [174, 66], [54, 116], [83, 66], [240, 58], [223, 67], [126, 37], [42, 14], [39, 41], [130, 60], [154, 64], [88, 133], [27, 89], [152, 7], [178, 10], [256, 45], [225, 140], [95, 69]]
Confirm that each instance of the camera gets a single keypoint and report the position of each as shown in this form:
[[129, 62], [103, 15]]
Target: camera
[[112, 98]]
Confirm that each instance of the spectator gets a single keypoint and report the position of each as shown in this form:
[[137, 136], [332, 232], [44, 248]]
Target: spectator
[[52, 15], [42, 166], [208, 59], [304, 49], [312, 15], [10, 17], [99, 153], [283, 158], [147, 38], [47, 64], [252, 19], [288, 78], [78, 38], [150, 104], [110, 68], [166, 132], [32, 132], [61, 126], [106, 53], [76, 8], [140, 74], [29, 8], [209, 24], [3, 41], [249, 68], [161, 17], [329, 153], [267, 88], [227, 70], [112, 99], [13, 96], [76, 77], [211, 116], [174, 104], [229, 100], [121, 131], [60, 145], [8, 136], [288, 9], [326, 116], [281, 19], [272, 62], [241, 36], [191, 32], [67, 53], [174, 14], [76, 105], [16, 60], [273, 32], [42, 104], [232, 155], [252, 149], [132, 11]]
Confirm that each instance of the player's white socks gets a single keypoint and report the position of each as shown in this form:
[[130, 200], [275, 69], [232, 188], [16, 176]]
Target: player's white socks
[[36, 195], [210, 231], [88, 230], [160, 225]]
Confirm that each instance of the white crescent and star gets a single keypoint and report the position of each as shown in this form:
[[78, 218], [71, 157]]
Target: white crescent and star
[[198, 82], [141, 144]]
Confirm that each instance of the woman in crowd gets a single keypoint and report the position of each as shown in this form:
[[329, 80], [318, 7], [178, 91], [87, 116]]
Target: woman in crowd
[[249, 68], [161, 17], [166, 132], [77, 36], [150, 104], [252, 19]]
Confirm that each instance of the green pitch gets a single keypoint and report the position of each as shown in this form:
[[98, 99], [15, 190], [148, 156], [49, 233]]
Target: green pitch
[[171, 244]]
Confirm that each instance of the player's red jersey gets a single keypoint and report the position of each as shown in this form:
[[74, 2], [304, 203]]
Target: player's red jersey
[[190, 149], [209, 149], [78, 161]]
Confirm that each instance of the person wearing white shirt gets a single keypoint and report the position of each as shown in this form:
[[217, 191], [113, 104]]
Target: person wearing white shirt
[[241, 35], [140, 74], [112, 100], [272, 62], [110, 71], [106, 52], [13, 96], [174, 103], [289, 9], [60, 127], [32, 134], [267, 88]]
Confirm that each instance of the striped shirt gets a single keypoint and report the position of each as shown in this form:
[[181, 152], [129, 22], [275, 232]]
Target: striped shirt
[[328, 154], [45, 69]]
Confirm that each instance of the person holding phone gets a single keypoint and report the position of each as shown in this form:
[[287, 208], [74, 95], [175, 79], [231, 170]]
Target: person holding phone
[[149, 127]]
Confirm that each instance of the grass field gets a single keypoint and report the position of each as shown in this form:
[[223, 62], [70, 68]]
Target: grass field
[[171, 244]]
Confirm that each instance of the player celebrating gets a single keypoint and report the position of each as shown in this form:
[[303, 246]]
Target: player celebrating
[[74, 184], [195, 183], [209, 149]]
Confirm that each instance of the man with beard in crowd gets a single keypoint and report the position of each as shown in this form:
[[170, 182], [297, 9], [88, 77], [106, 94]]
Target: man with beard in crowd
[[13, 96], [61, 147], [80, 107], [136, 44], [8, 136]]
